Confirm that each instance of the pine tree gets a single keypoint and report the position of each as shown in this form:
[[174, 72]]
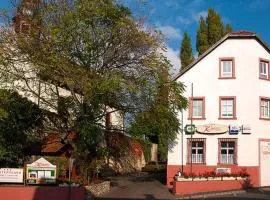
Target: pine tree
[[215, 26], [186, 52], [210, 31], [228, 28], [202, 37]]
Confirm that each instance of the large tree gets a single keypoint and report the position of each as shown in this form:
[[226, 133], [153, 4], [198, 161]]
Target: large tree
[[20, 121], [215, 26], [186, 55], [210, 31], [202, 37], [82, 60]]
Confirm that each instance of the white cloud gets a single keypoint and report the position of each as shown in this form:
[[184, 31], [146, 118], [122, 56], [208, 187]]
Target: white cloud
[[171, 32], [183, 20], [196, 16], [173, 56]]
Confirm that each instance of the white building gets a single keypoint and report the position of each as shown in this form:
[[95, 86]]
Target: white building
[[231, 110]]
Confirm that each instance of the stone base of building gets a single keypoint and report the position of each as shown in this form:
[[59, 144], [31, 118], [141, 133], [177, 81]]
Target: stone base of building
[[192, 187], [172, 170]]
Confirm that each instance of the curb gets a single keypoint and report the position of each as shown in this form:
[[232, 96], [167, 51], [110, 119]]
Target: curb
[[212, 194]]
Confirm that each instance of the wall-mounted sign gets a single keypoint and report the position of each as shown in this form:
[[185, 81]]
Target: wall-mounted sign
[[234, 129], [11, 175], [246, 129], [41, 172], [190, 129], [223, 170], [212, 129]]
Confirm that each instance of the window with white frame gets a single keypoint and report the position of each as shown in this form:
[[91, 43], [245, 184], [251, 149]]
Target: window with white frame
[[227, 152], [197, 108], [196, 150], [226, 68], [227, 107], [264, 66], [265, 108]]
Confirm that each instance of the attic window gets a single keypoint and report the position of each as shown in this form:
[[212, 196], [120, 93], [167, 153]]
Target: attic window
[[264, 69], [226, 68]]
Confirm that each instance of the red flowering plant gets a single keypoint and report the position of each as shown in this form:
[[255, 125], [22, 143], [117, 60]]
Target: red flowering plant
[[243, 173]]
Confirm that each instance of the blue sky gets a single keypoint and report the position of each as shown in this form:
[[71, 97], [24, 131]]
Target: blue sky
[[174, 17]]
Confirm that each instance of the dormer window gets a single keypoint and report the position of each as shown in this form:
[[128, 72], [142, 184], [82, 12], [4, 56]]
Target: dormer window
[[264, 69], [226, 68]]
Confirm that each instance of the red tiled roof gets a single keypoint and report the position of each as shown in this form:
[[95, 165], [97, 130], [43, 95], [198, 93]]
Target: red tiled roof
[[242, 33], [53, 142]]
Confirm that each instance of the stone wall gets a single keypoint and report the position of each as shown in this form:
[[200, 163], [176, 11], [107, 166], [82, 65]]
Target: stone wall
[[96, 190]]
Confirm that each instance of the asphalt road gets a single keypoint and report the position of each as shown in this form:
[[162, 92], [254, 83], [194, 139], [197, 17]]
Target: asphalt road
[[151, 187], [138, 186]]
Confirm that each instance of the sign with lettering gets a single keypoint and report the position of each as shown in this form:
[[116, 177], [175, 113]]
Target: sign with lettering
[[11, 175], [212, 129], [246, 129], [234, 129], [41, 172], [190, 129], [223, 170]]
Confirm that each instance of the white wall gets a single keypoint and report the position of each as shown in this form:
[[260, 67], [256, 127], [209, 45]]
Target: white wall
[[247, 88]]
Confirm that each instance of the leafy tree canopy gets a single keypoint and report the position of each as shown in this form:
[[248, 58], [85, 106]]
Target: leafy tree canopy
[[91, 58], [210, 31], [19, 118], [186, 55]]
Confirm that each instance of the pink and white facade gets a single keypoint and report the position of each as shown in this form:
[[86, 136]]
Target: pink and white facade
[[231, 88]]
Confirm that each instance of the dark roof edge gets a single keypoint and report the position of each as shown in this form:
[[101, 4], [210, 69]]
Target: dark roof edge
[[227, 36]]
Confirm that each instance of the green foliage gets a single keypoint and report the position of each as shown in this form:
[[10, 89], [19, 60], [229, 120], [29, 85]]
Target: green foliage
[[228, 28], [159, 123], [202, 37], [146, 146], [186, 55], [210, 31], [107, 61], [215, 26], [20, 119]]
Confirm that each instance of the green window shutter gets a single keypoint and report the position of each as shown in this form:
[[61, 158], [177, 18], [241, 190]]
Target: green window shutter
[[52, 173]]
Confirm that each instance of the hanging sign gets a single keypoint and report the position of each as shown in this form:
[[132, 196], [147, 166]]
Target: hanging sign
[[246, 129], [11, 175], [223, 170], [234, 129], [190, 129], [212, 129]]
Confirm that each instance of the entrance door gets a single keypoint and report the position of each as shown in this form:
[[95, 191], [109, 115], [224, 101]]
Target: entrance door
[[265, 163]]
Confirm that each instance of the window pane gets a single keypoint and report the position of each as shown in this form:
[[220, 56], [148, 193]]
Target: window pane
[[223, 151], [197, 108], [265, 108], [200, 144], [194, 144], [200, 151], [223, 144], [231, 144], [227, 68], [231, 151], [193, 151], [264, 69], [227, 107]]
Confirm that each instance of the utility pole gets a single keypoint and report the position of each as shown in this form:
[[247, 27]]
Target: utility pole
[[191, 122]]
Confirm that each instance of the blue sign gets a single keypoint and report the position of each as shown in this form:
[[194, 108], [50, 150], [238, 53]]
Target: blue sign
[[234, 130]]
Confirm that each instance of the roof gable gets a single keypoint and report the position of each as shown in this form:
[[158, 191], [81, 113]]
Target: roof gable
[[233, 35]]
